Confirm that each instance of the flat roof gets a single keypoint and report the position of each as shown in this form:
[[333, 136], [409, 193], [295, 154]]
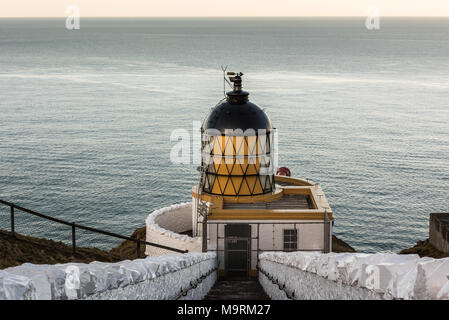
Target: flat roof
[[287, 202]]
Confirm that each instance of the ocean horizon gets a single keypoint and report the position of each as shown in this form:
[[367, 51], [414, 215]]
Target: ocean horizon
[[86, 116]]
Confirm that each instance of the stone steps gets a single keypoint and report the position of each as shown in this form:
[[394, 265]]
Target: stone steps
[[237, 290]]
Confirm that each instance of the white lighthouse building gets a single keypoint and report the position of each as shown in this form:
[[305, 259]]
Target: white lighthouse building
[[241, 207]]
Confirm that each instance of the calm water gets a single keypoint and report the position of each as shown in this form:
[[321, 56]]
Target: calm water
[[86, 116]]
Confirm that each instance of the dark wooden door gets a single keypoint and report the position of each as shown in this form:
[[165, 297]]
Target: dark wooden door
[[237, 250]]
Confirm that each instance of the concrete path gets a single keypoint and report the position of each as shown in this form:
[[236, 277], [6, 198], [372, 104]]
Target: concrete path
[[237, 290]]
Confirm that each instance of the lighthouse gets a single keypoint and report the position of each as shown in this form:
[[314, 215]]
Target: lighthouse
[[237, 141], [243, 205]]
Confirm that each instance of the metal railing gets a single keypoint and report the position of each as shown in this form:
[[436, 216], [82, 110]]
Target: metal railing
[[74, 226], [194, 284], [289, 294]]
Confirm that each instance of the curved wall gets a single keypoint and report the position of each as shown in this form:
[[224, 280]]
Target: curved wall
[[164, 227]]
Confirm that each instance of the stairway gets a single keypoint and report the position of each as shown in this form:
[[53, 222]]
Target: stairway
[[237, 290]]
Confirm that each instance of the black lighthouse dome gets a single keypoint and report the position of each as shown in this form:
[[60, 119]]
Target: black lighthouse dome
[[237, 163], [237, 112]]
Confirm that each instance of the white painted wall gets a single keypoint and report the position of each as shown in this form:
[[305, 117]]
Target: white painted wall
[[312, 275], [271, 237], [153, 278], [164, 225]]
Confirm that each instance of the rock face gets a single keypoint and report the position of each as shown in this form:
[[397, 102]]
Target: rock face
[[21, 249], [127, 248], [338, 245], [312, 275], [425, 249], [439, 231]]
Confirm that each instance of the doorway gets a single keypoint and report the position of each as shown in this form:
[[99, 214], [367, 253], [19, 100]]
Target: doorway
[[237, 250]]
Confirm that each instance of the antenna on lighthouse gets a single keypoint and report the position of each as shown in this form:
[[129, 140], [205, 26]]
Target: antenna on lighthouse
[[225, 80], [236, 78]]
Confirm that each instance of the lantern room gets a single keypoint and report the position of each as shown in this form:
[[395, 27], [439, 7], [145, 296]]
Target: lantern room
[[237, 147]]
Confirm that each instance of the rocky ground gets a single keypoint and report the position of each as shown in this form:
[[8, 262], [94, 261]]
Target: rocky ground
[[128, 248], [17, 250], [339, 245], [425, 249]]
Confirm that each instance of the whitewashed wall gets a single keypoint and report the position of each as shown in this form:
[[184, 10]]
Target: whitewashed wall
[[312, 275], [153, 278], [310, 236], [271, 237], [164, 225]]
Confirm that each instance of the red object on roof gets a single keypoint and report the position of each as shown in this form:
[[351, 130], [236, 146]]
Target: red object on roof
[[283, 171]]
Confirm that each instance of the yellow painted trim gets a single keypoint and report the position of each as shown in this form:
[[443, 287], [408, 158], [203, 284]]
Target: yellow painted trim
[[297, 190], [269, 197], [314, 198], [310, 190], [266, 214], [206, 196], [294, 181]]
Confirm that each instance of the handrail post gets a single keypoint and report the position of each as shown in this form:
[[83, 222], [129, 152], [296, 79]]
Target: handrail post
[[12, 222], [326, 232], [138, 248], [73, 238], [204, 243]]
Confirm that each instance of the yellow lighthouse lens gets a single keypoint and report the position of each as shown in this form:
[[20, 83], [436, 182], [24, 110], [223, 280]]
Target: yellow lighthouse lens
[[233, 164]]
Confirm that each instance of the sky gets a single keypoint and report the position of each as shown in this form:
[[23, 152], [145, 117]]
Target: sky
[[223, 8]]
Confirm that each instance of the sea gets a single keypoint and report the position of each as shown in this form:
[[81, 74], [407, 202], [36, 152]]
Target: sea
[[87, 117]]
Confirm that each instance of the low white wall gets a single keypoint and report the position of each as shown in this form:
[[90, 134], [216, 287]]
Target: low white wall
[[16, 287], [153, 278], [165, 224], [312, 275]]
